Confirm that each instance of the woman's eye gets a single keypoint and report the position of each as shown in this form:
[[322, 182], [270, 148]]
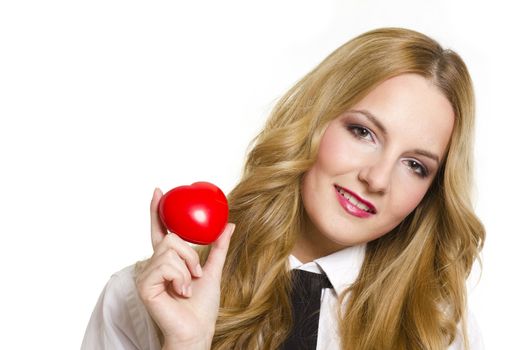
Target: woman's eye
[[419, 169], [360, 132]]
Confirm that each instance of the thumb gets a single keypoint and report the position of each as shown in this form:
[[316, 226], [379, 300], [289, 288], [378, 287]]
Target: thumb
[[157, 228], [219, 249]]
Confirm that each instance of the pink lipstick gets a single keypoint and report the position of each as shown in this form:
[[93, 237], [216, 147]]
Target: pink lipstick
[[352, 208]]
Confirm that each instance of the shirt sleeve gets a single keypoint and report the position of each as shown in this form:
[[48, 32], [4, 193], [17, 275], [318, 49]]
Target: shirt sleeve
[[120, 320]]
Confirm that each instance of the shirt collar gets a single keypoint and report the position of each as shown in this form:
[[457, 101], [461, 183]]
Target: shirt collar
[[341, 267]]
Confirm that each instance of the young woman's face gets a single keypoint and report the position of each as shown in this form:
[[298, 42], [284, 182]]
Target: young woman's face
[[383, 153]]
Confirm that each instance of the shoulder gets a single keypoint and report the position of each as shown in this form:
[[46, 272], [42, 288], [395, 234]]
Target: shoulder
[[121, 282], [120, 316], [122, 289], [118, 296]]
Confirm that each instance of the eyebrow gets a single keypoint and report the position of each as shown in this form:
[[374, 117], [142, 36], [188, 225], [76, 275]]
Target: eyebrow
[[372, 118], [427, 154], [381, 127]]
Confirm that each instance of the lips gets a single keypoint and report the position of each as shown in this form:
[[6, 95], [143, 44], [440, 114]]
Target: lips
[[357, 201]]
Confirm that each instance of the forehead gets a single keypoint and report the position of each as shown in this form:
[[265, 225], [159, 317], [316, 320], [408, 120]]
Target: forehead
[[412, 110]]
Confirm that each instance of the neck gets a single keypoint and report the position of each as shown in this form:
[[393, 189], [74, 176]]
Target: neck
[[312, 244]]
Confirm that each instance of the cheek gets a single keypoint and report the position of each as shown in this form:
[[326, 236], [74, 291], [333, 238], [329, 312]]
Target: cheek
[[309, 186], [337, 153], [330, 152], [405, 199]]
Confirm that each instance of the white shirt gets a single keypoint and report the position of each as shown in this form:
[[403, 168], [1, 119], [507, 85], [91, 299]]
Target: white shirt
[[120, 320], [342, 269]]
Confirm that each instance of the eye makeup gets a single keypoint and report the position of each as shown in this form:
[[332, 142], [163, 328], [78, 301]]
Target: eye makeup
[[362, 132], [418, 168]]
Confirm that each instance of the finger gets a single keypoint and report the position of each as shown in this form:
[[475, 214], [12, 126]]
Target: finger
[[219, 249], [171, 258], [185, 252], [158, 231], [157, 276]]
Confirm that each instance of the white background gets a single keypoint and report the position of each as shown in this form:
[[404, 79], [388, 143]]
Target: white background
[[102, 101]]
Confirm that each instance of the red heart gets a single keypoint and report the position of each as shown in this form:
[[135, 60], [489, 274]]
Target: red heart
[[196, 213]]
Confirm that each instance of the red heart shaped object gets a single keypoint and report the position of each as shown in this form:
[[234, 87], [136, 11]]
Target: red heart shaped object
[[196, 213]]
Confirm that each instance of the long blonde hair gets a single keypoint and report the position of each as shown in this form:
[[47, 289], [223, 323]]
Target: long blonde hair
[[411, 291]]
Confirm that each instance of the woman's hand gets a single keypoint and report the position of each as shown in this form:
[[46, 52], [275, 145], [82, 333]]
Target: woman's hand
[[182, 297]]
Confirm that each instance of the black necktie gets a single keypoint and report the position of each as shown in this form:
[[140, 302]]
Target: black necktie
[[306, 300]]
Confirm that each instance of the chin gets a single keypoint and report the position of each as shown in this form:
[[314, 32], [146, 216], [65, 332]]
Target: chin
[[346, 238], [342, 240]]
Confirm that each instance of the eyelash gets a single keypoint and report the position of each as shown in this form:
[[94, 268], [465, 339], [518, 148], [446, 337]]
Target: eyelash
[[420, 170], [353, 128]]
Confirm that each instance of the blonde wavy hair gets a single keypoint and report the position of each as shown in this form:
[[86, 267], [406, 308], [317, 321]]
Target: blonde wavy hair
[[411, 291]]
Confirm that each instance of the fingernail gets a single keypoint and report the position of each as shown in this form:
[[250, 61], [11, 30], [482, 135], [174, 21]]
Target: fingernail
[[188, 291], [198, 270]]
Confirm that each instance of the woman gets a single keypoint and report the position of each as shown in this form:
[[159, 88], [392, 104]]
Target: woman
[[362, 173]]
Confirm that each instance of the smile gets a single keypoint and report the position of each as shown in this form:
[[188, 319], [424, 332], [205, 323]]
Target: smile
[[353, 204]]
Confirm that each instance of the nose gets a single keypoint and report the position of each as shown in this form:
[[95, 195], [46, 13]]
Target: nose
[[377, 175]]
